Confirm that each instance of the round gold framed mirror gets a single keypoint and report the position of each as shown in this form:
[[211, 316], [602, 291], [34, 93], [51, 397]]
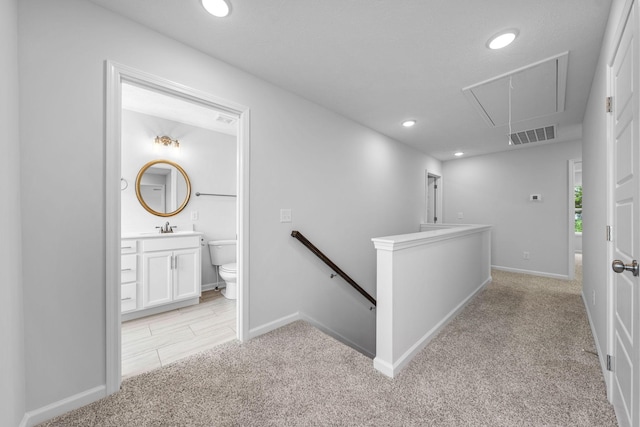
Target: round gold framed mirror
[[163, 188]]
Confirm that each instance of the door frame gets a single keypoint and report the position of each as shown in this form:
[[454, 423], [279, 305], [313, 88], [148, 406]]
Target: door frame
[[115, 75]]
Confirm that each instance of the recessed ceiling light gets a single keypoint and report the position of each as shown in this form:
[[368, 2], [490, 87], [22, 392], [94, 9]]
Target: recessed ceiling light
[[409, 123], [218, 8], [458, 154], [502, 39]]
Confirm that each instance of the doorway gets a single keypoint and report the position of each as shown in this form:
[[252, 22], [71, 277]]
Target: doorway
[[119, 76], [433, 198], [574, 217]]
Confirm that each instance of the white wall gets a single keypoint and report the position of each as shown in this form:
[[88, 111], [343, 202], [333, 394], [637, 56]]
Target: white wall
[[365, 186], [343, 182], [494, 190], [209, 159], [594, 183], [12, 373]]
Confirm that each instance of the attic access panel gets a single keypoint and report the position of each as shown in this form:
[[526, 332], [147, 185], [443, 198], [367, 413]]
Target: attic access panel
[[538, 90]]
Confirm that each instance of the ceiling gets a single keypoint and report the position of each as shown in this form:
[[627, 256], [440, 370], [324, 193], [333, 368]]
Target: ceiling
[[380, 62], [146, 101]]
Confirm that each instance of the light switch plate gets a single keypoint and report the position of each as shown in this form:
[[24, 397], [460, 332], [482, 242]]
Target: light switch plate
[[285, 215], [194, 215]]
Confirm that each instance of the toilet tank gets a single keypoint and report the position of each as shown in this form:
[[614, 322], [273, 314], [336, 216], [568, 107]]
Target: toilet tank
[[222, 251]]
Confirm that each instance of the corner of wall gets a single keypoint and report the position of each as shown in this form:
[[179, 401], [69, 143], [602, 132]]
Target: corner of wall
[[12, 368]]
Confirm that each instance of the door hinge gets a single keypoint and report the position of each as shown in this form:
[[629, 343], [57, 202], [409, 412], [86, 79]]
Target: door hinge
[[609, 363], [608, 233], [609, 104]]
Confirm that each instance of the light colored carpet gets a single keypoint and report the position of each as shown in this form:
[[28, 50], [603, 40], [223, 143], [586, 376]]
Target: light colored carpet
[[513, 357]]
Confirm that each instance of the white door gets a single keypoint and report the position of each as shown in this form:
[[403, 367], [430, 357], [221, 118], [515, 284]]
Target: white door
[[157, 278], [625, 170], [186, 274]]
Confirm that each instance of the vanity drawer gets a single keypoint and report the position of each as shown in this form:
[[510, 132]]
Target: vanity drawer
[[128, 246], [170, 243], [128, 268], [128, 297]]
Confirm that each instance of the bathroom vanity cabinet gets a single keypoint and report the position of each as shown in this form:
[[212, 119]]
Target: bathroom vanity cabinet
[[159, 273]]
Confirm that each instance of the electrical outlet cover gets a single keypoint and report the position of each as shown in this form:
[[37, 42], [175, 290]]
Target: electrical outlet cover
[[285, 215]]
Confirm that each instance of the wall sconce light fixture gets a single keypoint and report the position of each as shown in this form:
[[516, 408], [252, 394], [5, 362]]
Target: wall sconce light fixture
[[166, 141]]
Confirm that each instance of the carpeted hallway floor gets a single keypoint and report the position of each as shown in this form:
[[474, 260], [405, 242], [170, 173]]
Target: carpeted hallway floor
[[514, 357]]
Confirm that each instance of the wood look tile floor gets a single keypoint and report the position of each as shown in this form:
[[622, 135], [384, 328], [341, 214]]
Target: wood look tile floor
[[154, 341]]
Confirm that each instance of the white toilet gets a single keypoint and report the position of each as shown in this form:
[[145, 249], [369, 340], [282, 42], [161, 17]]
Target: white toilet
[[223, 254]]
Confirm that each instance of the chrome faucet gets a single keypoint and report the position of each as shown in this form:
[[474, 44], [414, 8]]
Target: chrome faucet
[[167, 228]]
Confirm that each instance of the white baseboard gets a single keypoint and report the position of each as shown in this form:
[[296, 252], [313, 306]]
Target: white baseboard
[[272, 326], [601, 354], [532, 272], [337, 335], [37, 416], [391, 370], [212, 286], [384, 367]]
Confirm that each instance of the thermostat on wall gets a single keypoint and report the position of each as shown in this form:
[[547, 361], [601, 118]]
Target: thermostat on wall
[[535, 197]]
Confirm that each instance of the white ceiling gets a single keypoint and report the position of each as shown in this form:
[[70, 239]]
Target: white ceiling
[[379, 62], [141, 100]]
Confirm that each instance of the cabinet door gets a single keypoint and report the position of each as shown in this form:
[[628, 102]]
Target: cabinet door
[[157, 278], [186, 273]]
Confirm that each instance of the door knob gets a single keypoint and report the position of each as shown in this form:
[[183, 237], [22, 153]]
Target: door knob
[[619, 266]]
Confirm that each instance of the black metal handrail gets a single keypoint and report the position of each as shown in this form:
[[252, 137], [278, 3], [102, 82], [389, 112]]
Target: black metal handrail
[[331, 264]]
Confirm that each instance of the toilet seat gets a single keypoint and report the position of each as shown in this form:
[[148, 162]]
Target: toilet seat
[[229, 268]]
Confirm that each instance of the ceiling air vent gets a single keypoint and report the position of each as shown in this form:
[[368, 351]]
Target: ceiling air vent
[[546, 133], [225, 119]]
